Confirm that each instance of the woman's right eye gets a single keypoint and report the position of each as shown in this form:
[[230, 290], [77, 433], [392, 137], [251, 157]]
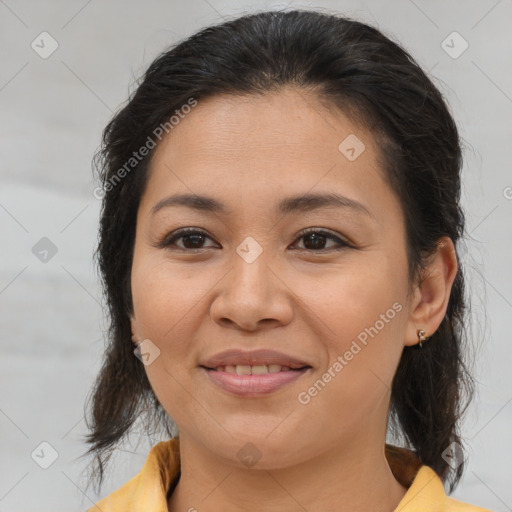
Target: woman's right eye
[[192, 238]]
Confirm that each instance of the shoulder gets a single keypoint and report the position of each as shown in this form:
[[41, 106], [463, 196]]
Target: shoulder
[[147, 490], [427, 494], [122, 497], [453, 505]]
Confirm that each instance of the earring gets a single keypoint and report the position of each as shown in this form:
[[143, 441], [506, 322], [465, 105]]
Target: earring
[[422, 337]]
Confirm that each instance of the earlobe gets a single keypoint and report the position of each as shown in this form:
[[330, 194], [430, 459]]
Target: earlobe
[[432, 293]]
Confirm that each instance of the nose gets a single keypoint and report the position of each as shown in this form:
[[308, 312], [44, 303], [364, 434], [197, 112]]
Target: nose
[[253, 295]]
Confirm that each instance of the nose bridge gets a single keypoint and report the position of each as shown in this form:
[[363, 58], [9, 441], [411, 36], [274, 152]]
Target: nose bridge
[[251, 292], [251, 263]]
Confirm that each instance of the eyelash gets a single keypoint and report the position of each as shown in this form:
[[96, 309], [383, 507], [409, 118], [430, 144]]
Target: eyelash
[[168, 242]]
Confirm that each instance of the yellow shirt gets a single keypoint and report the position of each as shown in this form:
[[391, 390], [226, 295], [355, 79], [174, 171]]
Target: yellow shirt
[[147, 491]]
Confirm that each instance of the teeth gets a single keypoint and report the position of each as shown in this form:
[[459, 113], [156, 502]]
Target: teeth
[[243, 369]]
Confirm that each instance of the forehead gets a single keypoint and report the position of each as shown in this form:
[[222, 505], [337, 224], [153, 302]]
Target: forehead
[[290, 125], [265, 146]]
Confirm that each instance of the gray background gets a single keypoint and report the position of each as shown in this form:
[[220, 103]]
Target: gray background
[[52, 114]]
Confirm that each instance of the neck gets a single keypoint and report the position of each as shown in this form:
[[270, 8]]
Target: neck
[[355, 478]]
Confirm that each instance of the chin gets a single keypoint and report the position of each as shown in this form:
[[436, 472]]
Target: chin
[[256, 452]]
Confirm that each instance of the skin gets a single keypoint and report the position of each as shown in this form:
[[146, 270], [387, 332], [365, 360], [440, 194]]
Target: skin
[[249, 152]]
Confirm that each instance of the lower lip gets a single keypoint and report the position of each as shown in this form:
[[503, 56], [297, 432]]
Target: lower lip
[[253, 385]]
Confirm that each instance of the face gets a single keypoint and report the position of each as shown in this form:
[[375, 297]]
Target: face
[[248, 277]]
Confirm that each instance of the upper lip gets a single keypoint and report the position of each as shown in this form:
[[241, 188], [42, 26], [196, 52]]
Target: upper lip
[[234, 357]]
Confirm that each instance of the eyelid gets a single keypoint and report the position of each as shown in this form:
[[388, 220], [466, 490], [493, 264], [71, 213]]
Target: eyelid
[[177, 234], [343, 242]]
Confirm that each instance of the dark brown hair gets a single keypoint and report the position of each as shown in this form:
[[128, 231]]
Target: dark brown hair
[[371, 78]]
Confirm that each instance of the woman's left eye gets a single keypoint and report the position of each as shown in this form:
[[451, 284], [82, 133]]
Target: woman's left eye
[[317, 239], [313, 240]]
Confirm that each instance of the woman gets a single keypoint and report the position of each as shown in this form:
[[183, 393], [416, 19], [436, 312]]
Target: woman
[[278, 247]]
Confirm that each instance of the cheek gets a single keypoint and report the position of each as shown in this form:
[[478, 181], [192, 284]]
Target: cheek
[[163, 296], [167, 301], [363, 299], [362, 317], [161, 303]]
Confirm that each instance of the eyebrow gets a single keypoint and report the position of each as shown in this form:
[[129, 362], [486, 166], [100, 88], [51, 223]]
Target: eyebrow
[[293, 204]]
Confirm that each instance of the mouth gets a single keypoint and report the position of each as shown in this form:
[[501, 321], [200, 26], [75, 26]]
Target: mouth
[[262, 369], [253, 381]]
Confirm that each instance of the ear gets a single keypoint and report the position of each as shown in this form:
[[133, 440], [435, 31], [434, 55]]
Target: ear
[[135, 330], [432, 293]]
